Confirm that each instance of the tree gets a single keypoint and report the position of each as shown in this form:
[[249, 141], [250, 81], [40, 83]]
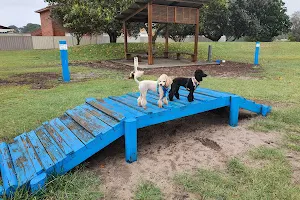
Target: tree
[[178, 32], [90, 17], [16, 29], [295, 30], [30, 28], [214, 17], [260, 20]]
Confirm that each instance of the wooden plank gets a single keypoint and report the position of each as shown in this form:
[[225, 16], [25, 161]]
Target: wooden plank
[[136, 12], [200, 97], [184, 111], [67, 135], [29, 150], [58, 139], [100, 105], [210, 93], [22, 164], [172, 103], [128, 112], [154, 106], [125, 39], [150, 47], [195, 59], [132, 104], [150, 100], [40, 150], [53, 150], [181, 100], [83, 135], [8, 173], [91, 123], [100, 115]]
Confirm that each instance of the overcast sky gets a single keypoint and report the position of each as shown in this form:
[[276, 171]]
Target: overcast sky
[[21, 12]]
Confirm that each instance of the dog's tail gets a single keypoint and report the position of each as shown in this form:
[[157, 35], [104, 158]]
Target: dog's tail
[[138, 74]]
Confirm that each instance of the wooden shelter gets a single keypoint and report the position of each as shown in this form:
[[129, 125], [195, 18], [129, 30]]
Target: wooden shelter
[[163, 11]]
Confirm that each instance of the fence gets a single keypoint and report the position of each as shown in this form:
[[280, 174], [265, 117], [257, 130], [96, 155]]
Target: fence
[[17, 42], [23, 42]]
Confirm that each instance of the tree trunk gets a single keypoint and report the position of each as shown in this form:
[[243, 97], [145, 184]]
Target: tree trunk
[[78, 39], [112, 37]]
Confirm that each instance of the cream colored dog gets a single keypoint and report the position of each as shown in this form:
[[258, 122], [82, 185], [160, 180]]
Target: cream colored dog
[[160, 86]]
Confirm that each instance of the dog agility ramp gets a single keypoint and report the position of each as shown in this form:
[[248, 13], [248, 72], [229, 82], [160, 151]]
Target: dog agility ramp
[[59, 145]]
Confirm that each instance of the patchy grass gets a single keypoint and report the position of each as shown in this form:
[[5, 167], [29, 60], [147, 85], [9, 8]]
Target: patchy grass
[[239, 181], [79, 184], [148, 191]]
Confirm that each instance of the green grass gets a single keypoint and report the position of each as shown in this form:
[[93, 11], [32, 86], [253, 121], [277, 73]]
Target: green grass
[[23, 109], [238, 181], [80, 184], [148, 191]]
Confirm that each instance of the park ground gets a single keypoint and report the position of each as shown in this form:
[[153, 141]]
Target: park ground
[[198, 157]]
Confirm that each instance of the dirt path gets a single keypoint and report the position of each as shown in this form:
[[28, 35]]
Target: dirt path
[[173, 147]]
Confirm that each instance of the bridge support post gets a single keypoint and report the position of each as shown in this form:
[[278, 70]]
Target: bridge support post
[[130, 140], [234, 111]]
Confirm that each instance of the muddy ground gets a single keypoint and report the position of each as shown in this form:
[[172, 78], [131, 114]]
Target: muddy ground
[[47, 80], [227, 69]]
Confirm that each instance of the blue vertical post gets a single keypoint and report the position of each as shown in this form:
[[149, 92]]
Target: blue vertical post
[[257, 51], [63, 47], [234, 111], [130, 140]]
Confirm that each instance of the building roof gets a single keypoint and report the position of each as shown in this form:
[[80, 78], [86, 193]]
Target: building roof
[[43, 9], [4, 27], [142, 16]]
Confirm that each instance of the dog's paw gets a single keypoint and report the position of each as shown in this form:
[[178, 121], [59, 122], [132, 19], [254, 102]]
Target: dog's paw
[[177, 95]]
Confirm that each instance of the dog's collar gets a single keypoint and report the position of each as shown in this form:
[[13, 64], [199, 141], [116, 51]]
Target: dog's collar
[[195, 83], [165, 89]]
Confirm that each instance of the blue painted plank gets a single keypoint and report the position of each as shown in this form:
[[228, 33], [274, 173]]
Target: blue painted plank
[[100, 115], [23, 166], [8, 173], [153, 106], [91, 123], [95, 103], [53, 150], [150, 100], [183, 112], [172, 103], [127, 111], [211, 93], [58, 138], [181, 100], [84, 136], [73, 142], [30, 153], [197, 96], [131, 104], [40, 150]]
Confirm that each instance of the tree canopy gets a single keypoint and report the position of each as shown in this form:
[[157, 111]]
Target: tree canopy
[[29, 28], [295, 30], [259, 20]]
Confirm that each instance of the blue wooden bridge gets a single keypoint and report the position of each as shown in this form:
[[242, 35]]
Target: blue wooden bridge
[[59, 145]]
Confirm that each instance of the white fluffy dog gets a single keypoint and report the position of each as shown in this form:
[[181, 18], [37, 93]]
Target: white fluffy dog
[[160, 86]]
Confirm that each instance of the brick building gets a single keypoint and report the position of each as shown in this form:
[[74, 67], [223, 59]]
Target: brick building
[[49, 27]]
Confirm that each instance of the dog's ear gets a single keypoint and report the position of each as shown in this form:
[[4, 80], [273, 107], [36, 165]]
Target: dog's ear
[[169, 82]]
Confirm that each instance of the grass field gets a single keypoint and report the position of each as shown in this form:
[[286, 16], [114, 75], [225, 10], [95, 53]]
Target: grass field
[[23, 108]]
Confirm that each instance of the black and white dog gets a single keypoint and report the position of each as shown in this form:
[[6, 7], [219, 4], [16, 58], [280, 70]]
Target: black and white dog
[[189, 83]]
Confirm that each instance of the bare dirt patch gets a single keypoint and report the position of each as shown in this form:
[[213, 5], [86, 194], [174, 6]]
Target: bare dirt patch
[[227, 69], [203, 140], [37, 80]]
